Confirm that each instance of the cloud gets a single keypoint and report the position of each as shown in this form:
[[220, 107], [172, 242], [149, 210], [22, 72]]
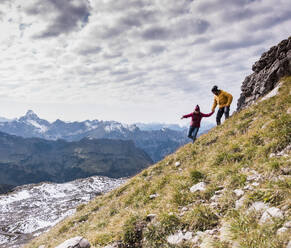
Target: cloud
[[134, 54], [61, 16], [244, 42], [156, 33]]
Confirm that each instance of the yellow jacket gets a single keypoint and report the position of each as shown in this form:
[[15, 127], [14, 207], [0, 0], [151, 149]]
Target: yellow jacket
[[223, 99]]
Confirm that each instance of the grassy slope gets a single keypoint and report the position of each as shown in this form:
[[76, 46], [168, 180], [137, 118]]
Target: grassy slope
[[219, 158]]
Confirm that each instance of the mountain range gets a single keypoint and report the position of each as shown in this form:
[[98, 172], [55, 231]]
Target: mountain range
[[33, 160], [157, 140]]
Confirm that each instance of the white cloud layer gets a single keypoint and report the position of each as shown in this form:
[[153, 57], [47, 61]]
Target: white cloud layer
[[130, 60]]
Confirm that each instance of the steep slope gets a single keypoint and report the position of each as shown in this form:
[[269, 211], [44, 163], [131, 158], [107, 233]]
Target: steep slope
[[219, 192], [156, 143], [34, 160]]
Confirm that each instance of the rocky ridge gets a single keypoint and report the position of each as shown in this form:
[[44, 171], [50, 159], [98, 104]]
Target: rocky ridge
[[273, 65]]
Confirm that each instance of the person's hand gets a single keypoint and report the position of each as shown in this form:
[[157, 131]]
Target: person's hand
[[182, 117]]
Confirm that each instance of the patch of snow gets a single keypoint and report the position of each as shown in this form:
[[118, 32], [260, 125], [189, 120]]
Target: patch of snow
[[272, 93], [42, 128], [33, 209]]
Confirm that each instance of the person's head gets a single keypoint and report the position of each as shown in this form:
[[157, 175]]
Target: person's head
[[215, 90], [197, 109]]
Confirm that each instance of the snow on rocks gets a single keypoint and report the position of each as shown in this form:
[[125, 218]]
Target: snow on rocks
[[272, 93], [48, 204], [76, 242], [271, 213], [198, 187], [179, 237], [238, 192]]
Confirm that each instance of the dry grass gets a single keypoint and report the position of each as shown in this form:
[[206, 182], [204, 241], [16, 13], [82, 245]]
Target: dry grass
[[244, 141]]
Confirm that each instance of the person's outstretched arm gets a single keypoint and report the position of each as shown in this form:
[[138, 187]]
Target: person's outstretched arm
[[207, 115], [186, 116]]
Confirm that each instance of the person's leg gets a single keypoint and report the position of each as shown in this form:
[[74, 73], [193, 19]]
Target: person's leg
[[219, 115], [191, 129], [195, 132], [226, 112]]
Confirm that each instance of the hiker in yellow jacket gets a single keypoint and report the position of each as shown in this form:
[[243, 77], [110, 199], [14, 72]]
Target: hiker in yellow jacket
[[223, 99]]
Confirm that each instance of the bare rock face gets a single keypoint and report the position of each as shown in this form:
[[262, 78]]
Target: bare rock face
[[273, 65]]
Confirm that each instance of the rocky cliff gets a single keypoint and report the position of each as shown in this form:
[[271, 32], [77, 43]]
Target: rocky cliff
[[273, 65]]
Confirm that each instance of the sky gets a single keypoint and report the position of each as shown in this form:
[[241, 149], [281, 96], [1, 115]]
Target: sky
[[130, 60]]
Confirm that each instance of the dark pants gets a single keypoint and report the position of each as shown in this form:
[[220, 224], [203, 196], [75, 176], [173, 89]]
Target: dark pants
[[192, 134], [221, 111]]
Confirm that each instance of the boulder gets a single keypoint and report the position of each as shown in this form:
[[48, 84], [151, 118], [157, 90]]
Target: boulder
[[258, 207], [268, 70], [271, 213], [179, 237], [76, 242], [198, 187], [238, 192]]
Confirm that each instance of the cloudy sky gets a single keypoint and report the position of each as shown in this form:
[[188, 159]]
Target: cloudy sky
[[130, 60]]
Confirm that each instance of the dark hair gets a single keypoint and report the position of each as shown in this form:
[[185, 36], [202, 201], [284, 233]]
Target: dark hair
[[214, 88]]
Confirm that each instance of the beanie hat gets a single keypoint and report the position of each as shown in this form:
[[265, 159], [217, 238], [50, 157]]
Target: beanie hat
[[214, 88]]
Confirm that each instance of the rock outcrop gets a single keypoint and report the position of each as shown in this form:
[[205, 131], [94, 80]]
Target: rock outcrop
[[273, 65]]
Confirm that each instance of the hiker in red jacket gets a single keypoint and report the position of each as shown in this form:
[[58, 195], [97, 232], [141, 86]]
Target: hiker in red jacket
[[195, 123]]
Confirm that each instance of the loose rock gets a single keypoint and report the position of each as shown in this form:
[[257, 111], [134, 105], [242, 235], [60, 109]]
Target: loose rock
[[76, 242], [153, 196], [198, 187], [179, 237], [270, 213], [150, 217], [258, 207], [239, 192]]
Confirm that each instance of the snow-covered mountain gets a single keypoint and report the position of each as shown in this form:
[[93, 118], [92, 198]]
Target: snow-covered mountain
[[157, 143], [32, 209], [3, 119]]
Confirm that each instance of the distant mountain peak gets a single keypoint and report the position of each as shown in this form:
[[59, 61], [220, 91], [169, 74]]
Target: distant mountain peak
[[30, 114]]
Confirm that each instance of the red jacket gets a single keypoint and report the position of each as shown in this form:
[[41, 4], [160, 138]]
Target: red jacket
[[196, 118]]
